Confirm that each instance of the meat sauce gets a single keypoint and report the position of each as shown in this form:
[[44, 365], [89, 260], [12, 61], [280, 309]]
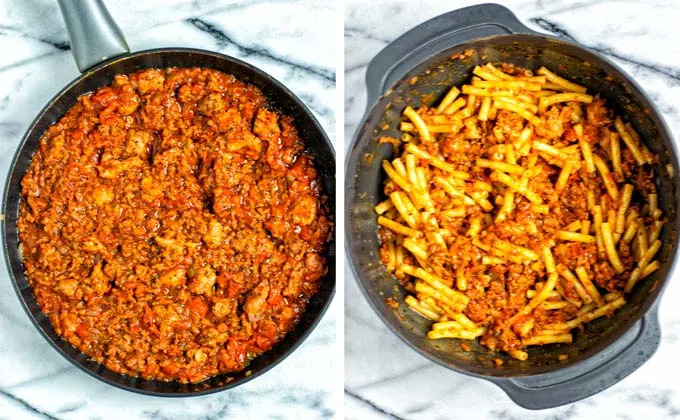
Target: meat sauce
[[172, 226]]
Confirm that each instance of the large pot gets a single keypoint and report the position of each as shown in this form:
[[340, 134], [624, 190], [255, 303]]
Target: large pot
[[95, 38], [609, 348]]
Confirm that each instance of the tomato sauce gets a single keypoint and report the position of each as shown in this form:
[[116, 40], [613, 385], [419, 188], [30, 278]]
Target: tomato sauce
[[172, 226]]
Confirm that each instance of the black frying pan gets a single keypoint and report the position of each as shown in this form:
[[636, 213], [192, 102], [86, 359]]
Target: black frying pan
[[94, 38], [610, 348]]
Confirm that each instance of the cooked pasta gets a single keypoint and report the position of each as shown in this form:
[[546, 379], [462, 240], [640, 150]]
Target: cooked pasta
[[519, 209]]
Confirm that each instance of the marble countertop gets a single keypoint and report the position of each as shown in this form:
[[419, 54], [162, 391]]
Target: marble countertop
[[288, 39], [384, 379]]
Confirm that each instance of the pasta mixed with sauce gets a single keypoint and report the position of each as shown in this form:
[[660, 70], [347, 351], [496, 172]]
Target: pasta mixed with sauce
[[519, 208]]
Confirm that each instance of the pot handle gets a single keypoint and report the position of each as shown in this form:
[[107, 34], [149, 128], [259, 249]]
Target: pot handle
[[591, 376], [436, 35], [94, 35]]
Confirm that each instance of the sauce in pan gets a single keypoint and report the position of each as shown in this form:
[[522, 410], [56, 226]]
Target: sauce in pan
[[172, 226]]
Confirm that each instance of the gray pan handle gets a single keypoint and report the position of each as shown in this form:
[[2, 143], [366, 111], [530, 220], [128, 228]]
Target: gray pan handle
[[433, 36], [591, 376], [94, 35]]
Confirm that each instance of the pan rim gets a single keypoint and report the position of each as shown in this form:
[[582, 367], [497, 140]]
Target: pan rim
[[9, 254]]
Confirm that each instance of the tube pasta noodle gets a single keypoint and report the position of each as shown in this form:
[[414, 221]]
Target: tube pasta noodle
[[437, 162], [612, 254], [655, 230], [399, 167], [564, 175], [651, 267], [603, 310], [629, 141], [448, 99], [464, 334], [631, 230], [537, 79], [455, 106], [406, 208], [549, 306], [396, 227], [495, 185], [447, 325], [597, 221], [542, 295], [529, 106], [606, 177], [590, 200], [419, 123], [636, 138], [652, 200], [517, 110], [548, 259], [546, 101], [500, 166], [415, 248], [551, 150], [507, 84], [575, 283], [559, 81], [398, 179], [484, 74], [575, 237], [498, 73], [616, 153], [435, 294], [508, 203], [414, 304], [626, 196], [471, 90], [642, 264], [589, 286], [513, 184], [383, 206], [484, 109], [471, 105], [586, 149], [518, 354]]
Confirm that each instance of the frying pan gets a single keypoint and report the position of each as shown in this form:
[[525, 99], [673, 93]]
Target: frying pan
[[609, 348], [101, 52]]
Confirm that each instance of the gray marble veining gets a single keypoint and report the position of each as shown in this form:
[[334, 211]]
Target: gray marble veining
[[289, 40], [384, 379]]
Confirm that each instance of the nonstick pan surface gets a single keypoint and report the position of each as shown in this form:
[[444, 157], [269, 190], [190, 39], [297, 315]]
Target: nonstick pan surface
[[416, 69], [316, 142]]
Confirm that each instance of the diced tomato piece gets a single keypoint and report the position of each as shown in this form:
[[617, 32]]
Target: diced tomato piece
[[77, 134], [234, 289], [83, 331], [170, 368], [275, 298], [199, 306]]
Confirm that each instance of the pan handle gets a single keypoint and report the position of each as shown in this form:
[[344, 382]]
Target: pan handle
[[591, 376], [436, 35], [94, 35]]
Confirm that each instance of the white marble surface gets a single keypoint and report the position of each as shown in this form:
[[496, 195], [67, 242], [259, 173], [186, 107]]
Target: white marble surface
[[289, 40], [384, 379]]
